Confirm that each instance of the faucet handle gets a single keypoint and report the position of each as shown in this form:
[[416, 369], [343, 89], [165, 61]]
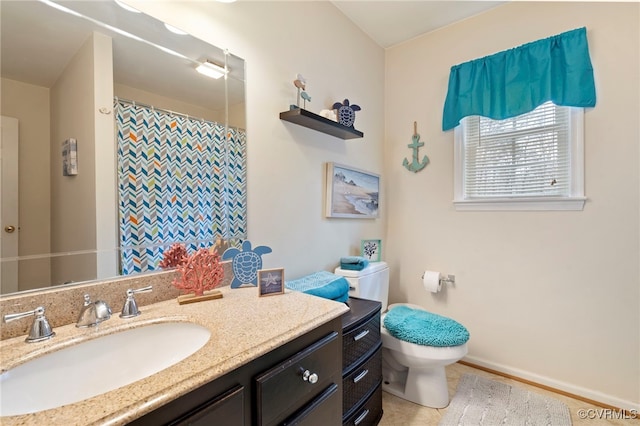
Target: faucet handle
[[40, 329], [130, 308], [87, 300]]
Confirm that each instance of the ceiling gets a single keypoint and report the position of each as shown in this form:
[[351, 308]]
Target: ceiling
[[390, 22]]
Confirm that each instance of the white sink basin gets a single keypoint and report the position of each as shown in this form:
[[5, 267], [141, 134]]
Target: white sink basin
[[97, 366]]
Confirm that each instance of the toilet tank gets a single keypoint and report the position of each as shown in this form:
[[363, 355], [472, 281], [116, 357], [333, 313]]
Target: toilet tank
[[370, 283]]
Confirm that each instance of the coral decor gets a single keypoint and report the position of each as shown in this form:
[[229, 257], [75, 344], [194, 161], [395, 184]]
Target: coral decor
[[200, 272], [174, 256]]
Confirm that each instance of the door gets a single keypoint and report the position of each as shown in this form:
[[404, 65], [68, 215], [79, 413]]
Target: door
[[9, 205]]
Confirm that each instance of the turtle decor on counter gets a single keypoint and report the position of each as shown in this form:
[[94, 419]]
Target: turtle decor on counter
[[245, 263], [346, 112]]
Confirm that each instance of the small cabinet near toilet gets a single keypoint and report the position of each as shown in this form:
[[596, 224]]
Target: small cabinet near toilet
[[361, 363]]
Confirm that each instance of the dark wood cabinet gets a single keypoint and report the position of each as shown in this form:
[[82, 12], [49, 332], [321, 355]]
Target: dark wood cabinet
[[361, 363], [270, 390]]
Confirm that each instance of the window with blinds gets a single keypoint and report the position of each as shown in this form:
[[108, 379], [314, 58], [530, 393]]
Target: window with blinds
[[528, 158]]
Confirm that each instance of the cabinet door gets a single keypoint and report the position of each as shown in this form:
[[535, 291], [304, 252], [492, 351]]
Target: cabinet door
[[226, 409]]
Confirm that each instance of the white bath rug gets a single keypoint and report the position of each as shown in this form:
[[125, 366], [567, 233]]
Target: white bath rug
[[479, 401]]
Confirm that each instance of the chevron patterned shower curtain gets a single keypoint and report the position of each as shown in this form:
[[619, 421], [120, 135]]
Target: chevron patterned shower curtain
[[176, 183]]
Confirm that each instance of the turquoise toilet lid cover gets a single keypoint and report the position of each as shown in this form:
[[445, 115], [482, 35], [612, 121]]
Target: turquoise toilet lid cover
[[424, 328]]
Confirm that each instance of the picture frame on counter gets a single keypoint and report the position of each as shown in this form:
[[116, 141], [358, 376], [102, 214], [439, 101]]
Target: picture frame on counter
[[270, 282]]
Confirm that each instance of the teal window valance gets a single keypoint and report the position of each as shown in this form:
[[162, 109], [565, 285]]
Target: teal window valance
[[518, 80]]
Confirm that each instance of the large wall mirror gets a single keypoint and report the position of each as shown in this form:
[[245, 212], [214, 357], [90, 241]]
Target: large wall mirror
[[87, 89]]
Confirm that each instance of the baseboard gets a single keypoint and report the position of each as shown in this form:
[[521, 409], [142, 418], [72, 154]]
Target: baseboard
[[576, 392]]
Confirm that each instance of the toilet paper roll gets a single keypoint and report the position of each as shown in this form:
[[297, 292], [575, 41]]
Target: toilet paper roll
[[431, 281]]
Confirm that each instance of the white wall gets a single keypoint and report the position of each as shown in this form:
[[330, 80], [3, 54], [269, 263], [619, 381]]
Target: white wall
[[285, 161], [550, 296], [30, 105], [73, 207], [105, 181]]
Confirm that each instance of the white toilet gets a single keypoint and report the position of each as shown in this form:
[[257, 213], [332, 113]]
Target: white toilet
[[410, 371]]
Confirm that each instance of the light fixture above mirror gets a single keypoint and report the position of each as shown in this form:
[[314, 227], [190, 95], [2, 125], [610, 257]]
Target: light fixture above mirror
[[212, 70]]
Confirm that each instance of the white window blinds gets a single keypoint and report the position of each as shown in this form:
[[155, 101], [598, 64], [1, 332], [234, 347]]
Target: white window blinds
[[525, 156]]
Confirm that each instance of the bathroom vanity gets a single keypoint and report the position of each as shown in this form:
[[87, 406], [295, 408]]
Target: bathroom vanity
[[269, 360]]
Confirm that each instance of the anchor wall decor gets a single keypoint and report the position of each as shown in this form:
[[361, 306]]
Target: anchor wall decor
[[415, 166]]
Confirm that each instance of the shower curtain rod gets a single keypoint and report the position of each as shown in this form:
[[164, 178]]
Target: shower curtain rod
[[129, 101], [134, 103]]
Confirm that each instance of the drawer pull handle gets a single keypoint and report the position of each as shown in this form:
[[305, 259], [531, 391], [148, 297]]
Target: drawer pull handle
[[310, 377], [360, 376], [361, 335], [361, 417]]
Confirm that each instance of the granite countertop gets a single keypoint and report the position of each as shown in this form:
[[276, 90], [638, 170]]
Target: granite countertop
[[243, 327]]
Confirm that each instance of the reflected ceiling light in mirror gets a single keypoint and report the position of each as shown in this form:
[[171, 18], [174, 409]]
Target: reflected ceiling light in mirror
[[210, 69], [115, 29], [174, 29], [226, 1], [61, 8], [126, 6]]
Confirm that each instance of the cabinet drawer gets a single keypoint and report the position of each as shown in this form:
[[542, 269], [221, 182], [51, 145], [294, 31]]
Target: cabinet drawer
[[360, 341], [370, 413], [323, 410], [291, 384], [361, 381], [228, 406]]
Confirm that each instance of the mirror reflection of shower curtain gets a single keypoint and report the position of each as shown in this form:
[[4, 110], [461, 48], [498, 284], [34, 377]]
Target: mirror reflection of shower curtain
[[171, 183]]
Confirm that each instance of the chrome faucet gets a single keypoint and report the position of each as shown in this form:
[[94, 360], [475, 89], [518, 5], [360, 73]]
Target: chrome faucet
[[93, 313], [40, 329]]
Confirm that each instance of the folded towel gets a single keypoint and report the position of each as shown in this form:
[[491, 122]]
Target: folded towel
[[321, 284], [353, 263], [352, 259], [342, 298], [424, 328]]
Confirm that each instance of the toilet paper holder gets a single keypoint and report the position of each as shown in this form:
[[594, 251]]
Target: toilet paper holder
[[449, 279]]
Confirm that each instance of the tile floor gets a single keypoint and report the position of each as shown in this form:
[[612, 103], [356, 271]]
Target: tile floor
[[398, 412]]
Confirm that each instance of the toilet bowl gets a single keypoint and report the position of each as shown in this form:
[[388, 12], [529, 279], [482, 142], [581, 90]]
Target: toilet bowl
[[410, 371], [417, 372]]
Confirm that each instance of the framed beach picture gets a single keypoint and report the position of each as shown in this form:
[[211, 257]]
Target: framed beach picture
[[371, 250], [270, 282], [351, 193]]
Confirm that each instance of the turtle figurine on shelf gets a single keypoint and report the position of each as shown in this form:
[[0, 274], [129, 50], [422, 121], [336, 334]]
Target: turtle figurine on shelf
[[346, 112]]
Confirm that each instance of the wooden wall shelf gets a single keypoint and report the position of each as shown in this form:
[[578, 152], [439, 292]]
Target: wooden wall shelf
[[305, 118]]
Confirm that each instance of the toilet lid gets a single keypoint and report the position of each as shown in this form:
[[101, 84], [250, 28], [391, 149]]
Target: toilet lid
[[424, 328]]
